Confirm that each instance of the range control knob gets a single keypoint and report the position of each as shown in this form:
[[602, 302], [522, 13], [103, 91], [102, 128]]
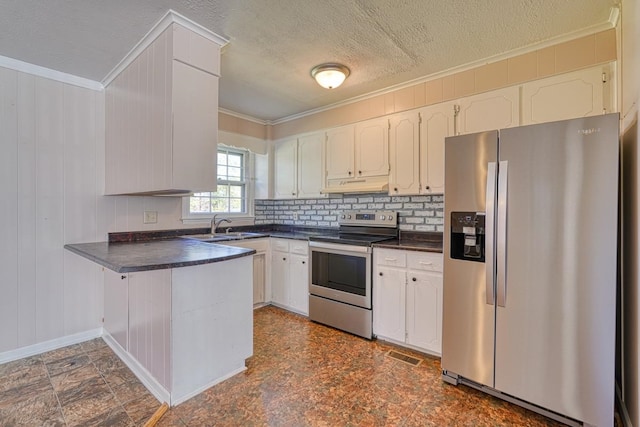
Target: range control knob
[[390, 218], [382, 217], [343, 216], [348, 216]]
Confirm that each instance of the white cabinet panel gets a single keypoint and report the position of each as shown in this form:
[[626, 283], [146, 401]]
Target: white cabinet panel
[[284, 163], [567, 96], [299, 283], [436, 123], [280, 277], [310, 171], [340, 153], [404, 154], [424, 310], [389, 295], [116, 307], [497, 109], [372, 148]]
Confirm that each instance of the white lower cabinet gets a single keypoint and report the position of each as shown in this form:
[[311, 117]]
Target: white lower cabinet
[[260, 266], [290, 274], [407, 298], [116, 306]]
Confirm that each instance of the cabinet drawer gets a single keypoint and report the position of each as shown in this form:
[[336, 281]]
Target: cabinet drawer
[[389, 257], [299, 247], [424, 261], [281, 245]]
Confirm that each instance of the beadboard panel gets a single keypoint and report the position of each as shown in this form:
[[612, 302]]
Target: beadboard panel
[[50, 139]]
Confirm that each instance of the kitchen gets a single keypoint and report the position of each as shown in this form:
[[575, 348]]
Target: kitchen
[[59, 296]]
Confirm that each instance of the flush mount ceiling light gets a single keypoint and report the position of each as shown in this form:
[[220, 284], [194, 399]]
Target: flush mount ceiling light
[[330, 76]]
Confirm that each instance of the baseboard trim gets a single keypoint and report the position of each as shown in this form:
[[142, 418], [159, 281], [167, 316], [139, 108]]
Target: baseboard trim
[[154, 387], [622, 408], [43, 347], [179, 399]]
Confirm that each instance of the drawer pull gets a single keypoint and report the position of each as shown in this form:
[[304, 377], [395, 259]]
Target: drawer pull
[[414, 279], [380, 273], [426, 262], [391, 259]]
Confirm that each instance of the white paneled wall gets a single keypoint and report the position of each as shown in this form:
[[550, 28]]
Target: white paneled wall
[[51, 186], [49, 141]]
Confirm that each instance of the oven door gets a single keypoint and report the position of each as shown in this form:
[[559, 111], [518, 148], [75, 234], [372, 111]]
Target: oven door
[[341, 273]]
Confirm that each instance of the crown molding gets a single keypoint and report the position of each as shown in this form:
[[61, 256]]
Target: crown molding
[[48, 73], [243, 117], [461, 68], [169, 18]]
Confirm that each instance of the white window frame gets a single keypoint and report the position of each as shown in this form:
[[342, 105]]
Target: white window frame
[[239, 218]]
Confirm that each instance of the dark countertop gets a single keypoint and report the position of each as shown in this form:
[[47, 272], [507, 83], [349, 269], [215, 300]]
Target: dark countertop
[[156, 254], [414, 241]]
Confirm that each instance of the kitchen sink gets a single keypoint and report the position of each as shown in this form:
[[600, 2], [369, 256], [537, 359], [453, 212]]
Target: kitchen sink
[[220, 237]]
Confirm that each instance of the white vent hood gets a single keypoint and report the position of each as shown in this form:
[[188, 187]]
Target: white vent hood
[[373, 184]]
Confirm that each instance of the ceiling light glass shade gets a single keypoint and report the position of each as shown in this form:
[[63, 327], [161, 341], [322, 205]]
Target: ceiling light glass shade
[[330, 76]]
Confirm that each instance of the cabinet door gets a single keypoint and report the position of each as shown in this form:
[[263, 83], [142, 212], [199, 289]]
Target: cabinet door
[[424, 310], [404, 154], [389, 293], [372, 148], [284, 164], [310, 165], [340, 152], [436, 123], [299, 283], [280, 278], [567, 96], [497, 109], [258, 278], [195, 128], [116, 307]]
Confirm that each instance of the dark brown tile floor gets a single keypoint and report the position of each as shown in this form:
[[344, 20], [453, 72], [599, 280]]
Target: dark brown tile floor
[[80, 385], [301, 374]]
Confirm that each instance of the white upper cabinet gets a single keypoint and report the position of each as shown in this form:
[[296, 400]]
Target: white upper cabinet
[[404, 153], [310, 176], [497, 109], [372, 148], [340, 152], [577, 94], [436, 123], [299, 167], [358, 151], [162, 118], [284, 163]]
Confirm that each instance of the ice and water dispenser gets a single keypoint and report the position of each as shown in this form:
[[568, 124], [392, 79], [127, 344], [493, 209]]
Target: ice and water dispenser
[[467, 236]]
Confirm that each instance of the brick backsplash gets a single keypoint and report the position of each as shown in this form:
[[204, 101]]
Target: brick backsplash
[[415, 213]]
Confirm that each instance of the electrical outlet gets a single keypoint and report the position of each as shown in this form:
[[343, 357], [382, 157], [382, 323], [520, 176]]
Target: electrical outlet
[[295, 215], [150, 217]]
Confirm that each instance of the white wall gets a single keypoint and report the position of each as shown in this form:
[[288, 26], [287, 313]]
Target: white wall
[[630, 96], [50, 133]]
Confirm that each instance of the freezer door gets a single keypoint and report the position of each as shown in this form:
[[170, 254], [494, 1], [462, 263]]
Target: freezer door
[[468, 318], [555, 321]]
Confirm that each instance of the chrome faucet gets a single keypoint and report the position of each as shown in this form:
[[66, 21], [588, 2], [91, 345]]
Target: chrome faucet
[[215, 224]]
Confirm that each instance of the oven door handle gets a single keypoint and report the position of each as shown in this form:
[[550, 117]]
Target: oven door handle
[[340, 247]]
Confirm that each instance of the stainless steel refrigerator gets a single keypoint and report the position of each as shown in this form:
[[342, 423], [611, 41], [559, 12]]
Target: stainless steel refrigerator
[[530, 249]]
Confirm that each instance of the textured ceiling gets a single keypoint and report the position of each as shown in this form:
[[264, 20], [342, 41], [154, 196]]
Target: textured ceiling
[[275, 43]]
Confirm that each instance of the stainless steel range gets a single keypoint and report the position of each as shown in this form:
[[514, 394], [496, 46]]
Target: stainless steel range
[[340, 279]]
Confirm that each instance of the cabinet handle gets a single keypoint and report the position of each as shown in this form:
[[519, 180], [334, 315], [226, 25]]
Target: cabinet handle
[[414, 279], [428, 187], [425, 262], [293, 194], [123, 277], [359, 172], [380, 273], [349, 172], [395, 189], [391, 259], [284, 259], [304, 262]]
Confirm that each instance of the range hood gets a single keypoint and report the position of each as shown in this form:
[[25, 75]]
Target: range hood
[[373, 184]]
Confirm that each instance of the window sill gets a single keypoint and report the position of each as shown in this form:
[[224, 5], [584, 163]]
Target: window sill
[[236, 220]]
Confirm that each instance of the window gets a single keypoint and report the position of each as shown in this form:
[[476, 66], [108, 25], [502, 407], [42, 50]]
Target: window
[[231, 197]]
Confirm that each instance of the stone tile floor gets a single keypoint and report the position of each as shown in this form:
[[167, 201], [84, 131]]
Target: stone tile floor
[[301, 374]]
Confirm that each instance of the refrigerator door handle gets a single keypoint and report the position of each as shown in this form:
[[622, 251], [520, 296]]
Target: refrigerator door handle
[[489, 263], [503, 170]]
